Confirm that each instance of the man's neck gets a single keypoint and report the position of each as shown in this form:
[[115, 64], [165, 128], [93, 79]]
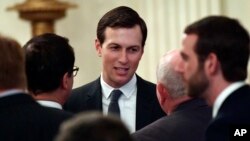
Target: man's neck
[[214, 90], [55, 96], [174, 103]]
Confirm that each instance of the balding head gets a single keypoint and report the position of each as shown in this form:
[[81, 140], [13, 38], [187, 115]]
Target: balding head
[[167, 76]]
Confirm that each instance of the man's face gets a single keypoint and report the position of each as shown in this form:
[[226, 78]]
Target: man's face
[[193, 72], [121, 53]]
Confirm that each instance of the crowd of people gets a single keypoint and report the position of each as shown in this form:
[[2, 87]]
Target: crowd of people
[[200, 94]]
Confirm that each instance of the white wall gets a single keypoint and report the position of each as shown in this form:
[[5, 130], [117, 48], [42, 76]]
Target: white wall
[[239, 9], [165, 19]]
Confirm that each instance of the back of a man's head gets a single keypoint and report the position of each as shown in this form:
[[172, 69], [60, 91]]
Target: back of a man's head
[[12, 67], [48, 58], [93, 126], [168, 76]]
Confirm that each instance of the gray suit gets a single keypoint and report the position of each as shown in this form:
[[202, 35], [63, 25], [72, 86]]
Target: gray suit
[[187, 123]]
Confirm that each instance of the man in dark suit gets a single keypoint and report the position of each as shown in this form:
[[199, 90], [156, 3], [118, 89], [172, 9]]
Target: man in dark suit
[[215, 55], [50, 82], [187, 117], [22, 118], [121, 36]]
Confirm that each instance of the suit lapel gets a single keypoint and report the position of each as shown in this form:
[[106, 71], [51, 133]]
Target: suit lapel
[[143, 104], [94, 101]]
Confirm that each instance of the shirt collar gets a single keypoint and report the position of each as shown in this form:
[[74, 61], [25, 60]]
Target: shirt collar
[[126, 89], [224, 94], [52, 104], [11, 92]]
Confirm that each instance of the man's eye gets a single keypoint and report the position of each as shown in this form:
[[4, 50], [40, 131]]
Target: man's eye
[[114, 48], [133, 49]]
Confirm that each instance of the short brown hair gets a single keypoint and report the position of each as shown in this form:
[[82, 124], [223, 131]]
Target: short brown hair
[[228, 39], [12, 68], [121, 17]]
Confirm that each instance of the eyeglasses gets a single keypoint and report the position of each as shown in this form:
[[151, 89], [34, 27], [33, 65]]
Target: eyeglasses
[[75, 70]]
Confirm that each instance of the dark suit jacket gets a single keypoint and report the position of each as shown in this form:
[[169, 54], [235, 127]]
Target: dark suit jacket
[[187, 123], [89, 97], [235, 111], [23, 119]]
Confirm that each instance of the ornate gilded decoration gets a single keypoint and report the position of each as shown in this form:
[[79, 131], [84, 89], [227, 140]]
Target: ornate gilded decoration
[[42, 13]]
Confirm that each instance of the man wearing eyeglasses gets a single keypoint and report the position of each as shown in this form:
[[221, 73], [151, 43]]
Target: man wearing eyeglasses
[[22, 118], [50, 69]]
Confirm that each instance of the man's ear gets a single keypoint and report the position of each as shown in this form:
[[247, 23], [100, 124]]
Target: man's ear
[[65, 81], [211, 64], [162, 93], [98, 47]]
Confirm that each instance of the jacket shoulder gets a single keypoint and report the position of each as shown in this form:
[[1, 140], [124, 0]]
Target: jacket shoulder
[[144, 83], [77, 101], [86, 88]]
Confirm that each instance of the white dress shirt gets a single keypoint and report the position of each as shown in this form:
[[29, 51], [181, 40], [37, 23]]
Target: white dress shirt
[[127, 101], [51, 104], [224, 94], [11, 92]]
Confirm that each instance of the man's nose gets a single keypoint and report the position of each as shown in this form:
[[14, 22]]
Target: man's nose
[[123, 58]]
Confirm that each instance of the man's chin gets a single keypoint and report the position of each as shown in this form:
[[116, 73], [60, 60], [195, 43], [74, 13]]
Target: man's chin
[[121, 81]]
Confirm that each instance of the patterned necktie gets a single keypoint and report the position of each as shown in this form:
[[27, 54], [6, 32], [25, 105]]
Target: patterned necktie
[[113, 108]]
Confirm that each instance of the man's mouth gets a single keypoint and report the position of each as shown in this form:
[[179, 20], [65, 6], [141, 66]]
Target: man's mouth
[[121, 70]]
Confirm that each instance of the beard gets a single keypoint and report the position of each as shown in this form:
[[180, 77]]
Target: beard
[[197, 84]]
